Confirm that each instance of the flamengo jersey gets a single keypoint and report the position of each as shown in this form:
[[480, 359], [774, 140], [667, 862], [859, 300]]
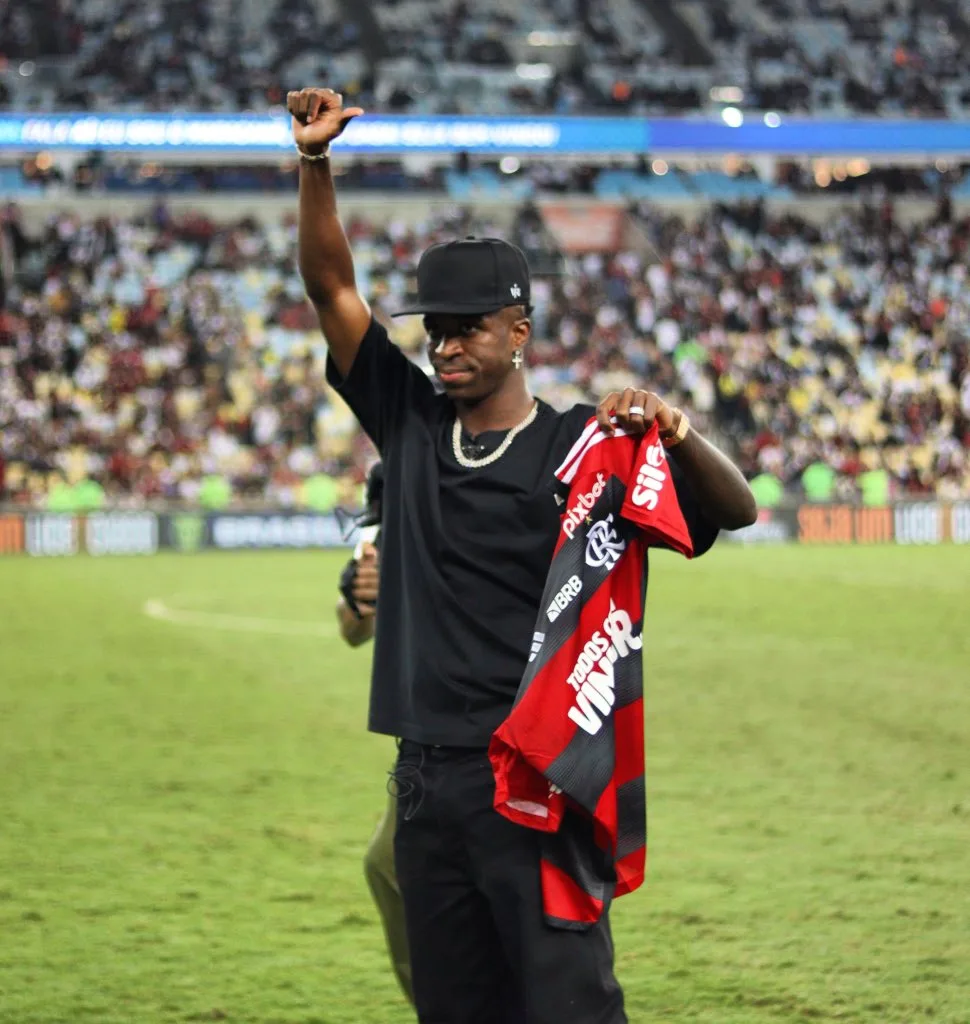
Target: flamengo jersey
[[569, 759]]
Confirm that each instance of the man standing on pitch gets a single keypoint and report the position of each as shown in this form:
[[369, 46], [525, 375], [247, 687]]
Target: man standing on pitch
[[470, 525], [356, 611]]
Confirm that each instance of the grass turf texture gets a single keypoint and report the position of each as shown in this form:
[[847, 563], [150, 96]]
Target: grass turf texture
[[185, 809]]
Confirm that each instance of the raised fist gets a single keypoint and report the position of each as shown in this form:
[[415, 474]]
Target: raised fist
[[318, 117]]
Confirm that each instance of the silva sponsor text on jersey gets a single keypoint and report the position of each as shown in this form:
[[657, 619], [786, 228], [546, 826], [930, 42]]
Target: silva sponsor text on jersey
[[650, 478]]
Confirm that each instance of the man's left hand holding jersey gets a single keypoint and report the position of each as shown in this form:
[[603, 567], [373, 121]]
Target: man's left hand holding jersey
[[721, 491]]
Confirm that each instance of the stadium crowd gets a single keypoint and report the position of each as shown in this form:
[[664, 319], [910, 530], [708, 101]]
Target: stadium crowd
[[511, 178], [568, 56], [891, 57], [154, 355]]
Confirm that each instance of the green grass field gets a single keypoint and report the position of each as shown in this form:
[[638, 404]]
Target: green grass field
[[185, 801]]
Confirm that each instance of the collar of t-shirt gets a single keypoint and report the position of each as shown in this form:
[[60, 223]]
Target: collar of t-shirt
[[477, 446]]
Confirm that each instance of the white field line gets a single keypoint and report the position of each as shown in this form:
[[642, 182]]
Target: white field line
[[158, 609]]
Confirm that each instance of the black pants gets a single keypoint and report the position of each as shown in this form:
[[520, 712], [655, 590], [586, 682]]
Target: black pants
[[481, 952]]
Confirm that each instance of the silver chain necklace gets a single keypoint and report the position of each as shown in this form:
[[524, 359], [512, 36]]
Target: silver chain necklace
[[462, 459]]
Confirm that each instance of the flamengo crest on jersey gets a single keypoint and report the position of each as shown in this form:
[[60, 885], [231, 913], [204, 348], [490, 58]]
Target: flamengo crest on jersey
[[569, 758]]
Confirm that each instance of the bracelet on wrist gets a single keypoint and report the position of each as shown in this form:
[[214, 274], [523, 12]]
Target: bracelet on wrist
[[673, 437], [313, 157]]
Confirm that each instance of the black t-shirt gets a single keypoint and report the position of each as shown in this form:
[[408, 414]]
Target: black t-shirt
[[464, 552]]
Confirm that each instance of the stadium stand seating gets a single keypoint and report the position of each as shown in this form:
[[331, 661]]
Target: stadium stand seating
[[151, 353], [899, 57], [511, 180], [828, 56]]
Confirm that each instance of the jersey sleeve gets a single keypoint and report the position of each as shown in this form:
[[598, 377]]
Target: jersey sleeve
[[653, 499], [702, 531], [382, 385]]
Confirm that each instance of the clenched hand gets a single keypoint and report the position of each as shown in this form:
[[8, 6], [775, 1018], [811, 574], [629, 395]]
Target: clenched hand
[[318, 117]]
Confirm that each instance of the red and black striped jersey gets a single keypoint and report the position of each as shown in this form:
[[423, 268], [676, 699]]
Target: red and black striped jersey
[[569, 759]]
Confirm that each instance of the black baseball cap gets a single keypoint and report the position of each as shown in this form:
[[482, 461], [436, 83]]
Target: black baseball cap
[[471, 275]]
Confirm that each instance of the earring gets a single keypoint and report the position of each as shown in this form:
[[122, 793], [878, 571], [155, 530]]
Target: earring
[[517, 359]]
